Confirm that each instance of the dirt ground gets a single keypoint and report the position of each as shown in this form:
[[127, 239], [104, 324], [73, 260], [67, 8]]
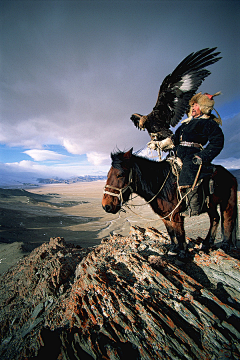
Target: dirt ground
[[32, 216]]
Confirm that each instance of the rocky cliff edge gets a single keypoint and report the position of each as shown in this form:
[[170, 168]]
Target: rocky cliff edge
[[123, 298]]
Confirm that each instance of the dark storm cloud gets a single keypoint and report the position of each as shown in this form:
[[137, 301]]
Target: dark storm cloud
[[73, 72]]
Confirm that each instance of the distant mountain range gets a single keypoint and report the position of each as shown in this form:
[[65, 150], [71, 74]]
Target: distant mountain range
[[86, 178], [27, 179], [19, 180]]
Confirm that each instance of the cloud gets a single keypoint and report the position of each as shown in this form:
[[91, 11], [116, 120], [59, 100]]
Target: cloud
[[97, 158], [82, 69], [230, 163], [73, 147], [27, 165], [42, 155], [63, 170]]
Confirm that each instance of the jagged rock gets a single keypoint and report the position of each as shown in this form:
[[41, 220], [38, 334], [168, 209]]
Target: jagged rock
[[123, 298]]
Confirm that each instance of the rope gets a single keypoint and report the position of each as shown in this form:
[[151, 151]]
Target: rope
[[147, 202], [175, 172], [196, 178], [154, 145], [178, 188], [138, 214]]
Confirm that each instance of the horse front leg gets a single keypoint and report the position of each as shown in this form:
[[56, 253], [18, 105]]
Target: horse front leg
[[175, 229], [173, 250]]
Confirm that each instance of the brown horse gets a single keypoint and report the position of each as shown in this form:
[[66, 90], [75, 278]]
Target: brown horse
[[130, 173]]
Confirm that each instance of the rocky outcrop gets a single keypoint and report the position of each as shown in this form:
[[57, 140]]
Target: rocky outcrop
[[123, 298]]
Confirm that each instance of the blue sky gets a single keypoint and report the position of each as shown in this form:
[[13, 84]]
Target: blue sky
[[73, 72]]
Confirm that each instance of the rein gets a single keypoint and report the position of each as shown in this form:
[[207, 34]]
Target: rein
[[148, 202], [180, 201], [128, 186], [122, 191]]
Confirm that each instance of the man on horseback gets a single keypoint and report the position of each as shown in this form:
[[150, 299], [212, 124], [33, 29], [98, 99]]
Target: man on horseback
[[201, 128], [195, 144]]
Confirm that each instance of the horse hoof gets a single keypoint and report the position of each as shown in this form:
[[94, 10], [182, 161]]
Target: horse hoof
[[225, 248], [205, 248], [173, 250]]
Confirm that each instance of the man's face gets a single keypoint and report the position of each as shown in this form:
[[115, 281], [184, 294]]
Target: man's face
[[196, 110]]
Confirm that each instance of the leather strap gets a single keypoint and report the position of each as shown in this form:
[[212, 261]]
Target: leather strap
[[191, 144]]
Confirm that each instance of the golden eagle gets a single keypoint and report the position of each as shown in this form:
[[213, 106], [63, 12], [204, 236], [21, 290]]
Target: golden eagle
[[175, 92]]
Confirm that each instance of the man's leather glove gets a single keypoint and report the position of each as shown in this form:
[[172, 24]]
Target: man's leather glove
[[197, 160], [164, 145]]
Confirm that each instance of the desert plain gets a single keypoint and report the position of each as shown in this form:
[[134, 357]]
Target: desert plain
[[31, 216]]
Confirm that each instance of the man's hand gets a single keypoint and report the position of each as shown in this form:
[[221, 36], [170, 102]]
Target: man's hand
[[166, 144], [197, 160], [163, 145]]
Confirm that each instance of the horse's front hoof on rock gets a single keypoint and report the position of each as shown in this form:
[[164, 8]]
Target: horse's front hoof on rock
[[205, 248], [174, 250]]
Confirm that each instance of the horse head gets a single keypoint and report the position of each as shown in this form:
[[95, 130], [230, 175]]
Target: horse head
[[119, 181]]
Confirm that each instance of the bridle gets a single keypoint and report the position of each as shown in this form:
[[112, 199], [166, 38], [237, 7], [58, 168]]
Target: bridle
[[121, 191], [130, 181], [128, 186]]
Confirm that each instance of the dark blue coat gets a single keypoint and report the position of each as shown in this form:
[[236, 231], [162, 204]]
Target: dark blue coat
[[204, 131]]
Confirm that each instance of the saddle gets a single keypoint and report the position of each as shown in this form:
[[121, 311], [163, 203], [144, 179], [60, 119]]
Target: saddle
[[195, 201]]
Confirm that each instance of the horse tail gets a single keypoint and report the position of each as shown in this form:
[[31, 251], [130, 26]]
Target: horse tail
[[222, 222], [232, 212], [235, 233]]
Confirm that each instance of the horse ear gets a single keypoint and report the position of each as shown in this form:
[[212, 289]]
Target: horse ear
[[128, 154]]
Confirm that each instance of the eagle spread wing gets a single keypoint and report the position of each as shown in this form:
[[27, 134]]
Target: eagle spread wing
[[175, 92]]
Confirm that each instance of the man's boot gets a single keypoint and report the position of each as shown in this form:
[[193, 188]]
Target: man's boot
[[185, 202], [194, 200]]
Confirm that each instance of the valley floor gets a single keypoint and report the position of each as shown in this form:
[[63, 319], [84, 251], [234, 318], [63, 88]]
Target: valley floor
[[32, 216]]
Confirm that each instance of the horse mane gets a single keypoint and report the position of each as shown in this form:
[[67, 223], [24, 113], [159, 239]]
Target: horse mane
[[150, 173], [118, 159]]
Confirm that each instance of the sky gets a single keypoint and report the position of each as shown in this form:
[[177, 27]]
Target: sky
[[73, 72]]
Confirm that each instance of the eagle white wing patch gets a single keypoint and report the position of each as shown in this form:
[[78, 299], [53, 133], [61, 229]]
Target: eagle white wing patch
[[186, 83]]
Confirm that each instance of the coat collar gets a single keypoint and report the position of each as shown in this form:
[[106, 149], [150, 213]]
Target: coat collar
[[203, 116]]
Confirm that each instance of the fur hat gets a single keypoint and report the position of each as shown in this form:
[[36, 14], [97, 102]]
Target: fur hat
[[206, 103]]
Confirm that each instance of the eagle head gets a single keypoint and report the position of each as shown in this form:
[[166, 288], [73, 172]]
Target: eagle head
[[139, 120]]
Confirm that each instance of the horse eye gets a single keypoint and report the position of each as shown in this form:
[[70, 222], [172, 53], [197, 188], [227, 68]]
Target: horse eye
[[119, 176]]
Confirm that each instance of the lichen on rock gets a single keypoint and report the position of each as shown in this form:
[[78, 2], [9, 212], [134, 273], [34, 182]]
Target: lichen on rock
[[124, 297]]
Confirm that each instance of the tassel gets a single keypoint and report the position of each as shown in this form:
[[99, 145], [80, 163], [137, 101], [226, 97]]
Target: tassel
[[218, 120]]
